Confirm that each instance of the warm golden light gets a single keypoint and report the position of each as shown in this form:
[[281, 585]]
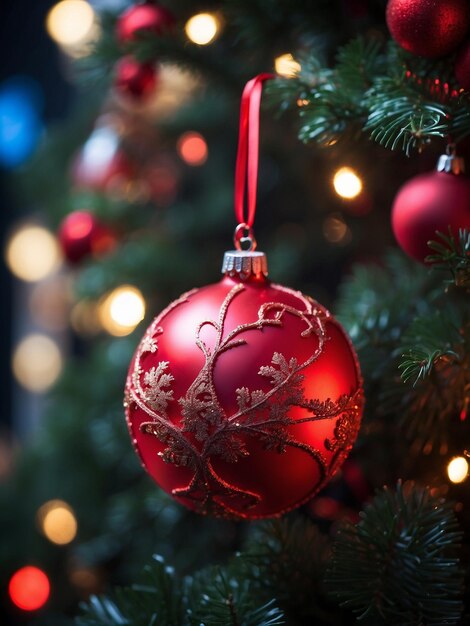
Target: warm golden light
[[70, 22], [202, 28], [32, 253], [285, 65], [57, 521], [121, 310], [37, 362], [457, 469], [347, 183], [192, 148]]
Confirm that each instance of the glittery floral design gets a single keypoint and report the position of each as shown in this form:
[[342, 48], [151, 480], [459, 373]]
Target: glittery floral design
[[264, 415]]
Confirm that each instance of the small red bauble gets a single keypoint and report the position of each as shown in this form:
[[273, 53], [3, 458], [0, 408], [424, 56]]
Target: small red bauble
[[428, 203], [243, 397], [428, 28], [81, 234], [146, 18], [462, 66], [134, 79]]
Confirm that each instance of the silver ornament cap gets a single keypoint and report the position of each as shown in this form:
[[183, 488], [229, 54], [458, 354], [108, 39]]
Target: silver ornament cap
[[244, 264]]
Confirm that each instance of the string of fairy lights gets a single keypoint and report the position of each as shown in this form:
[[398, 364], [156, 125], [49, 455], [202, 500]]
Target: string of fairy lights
[[33, 255]]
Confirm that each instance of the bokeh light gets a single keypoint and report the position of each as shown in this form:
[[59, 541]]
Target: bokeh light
[[36, 362], [347, 183], [285, 65], [70, 22], [29, 588], [192, 148], [32, 253], [457, 469], [57, 521], [121, 310], [21, 99], [202, 28], [335, 229]]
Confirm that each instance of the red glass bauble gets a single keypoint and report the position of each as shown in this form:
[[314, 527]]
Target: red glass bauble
[[428, 28], [143, 18], [81, 235], [462, 66], [243, 398], [133, 79], [428, 203]]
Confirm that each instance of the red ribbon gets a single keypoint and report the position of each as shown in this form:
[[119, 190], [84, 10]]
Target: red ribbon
[[246, 170]]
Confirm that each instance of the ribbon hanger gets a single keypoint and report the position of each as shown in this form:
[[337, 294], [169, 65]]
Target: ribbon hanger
[[246, 170]]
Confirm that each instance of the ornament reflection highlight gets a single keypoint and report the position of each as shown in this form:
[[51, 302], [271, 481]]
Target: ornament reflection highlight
[[202, 28], [121, 310], [347, 183], [457, 469]]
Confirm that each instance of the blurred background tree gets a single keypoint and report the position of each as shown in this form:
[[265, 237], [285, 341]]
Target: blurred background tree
[[118, 143]]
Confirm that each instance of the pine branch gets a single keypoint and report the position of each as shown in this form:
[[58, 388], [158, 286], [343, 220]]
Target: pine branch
[[399, 116], [158, 601], [287, 559], [430, 340], [218, 599], [397, 100], [399, 564], [452, 255], [213, 597], [376, 304]]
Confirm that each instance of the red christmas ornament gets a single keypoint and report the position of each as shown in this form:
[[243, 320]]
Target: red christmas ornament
[[100, 164], [462, 66], [431, 202], [81, 234], [143, 18], [244, 397], [428, 28], [133, 79]]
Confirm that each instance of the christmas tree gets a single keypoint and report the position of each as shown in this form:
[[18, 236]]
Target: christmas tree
[[133, 195]]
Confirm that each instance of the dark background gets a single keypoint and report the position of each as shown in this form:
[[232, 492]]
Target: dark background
[[25, 50]]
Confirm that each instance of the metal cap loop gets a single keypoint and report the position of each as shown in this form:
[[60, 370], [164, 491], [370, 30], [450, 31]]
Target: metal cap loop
[[244, 238]]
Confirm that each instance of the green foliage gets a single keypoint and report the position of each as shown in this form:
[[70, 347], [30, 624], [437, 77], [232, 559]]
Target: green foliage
[[453, 255], [376, 304], [388, 94], [211, 598], [399, 564], [287, 559], [400, 318], [432, 339]]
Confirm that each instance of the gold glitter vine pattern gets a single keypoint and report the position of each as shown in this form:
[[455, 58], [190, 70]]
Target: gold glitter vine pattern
[[261, 414]]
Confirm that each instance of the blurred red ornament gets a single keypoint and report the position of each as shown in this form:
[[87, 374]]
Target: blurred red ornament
[[431, 202], [143, 18], [462, 66], [29, 588], [81, 235], [101, 164], [243, 397], [428, 28], [133, 79]]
